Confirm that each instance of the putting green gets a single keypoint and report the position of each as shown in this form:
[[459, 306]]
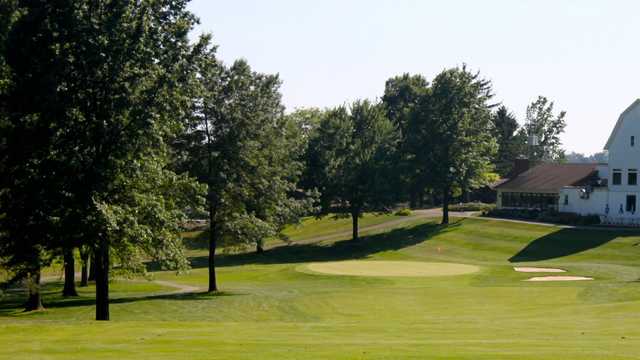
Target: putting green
[[390, 268]]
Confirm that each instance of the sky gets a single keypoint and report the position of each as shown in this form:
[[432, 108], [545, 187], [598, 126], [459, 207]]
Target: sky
[[583, 55]]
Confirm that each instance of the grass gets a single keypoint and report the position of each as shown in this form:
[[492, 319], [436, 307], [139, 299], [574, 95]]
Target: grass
[[270, 308]]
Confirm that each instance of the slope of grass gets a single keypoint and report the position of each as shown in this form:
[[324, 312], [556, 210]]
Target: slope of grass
[[271, 308]]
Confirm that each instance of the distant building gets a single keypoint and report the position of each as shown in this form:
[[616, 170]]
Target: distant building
[[610, 190]]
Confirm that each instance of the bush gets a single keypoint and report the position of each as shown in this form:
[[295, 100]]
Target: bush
[[403, 212], [473, 206], [550, 216]]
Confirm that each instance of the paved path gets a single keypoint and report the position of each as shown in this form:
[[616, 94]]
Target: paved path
[[416, 214], [179, 288]]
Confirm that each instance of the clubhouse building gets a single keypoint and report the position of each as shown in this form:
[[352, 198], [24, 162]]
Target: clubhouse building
[[609, 190]]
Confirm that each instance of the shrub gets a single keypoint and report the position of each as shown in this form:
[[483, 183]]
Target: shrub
[[473, 206], [550, 216], [403, 212]]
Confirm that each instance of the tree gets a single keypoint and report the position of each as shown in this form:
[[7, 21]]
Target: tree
[[511, 142], [113, 90], [69, 288], [454, 123], [546, 127], [401, 96], [28, 188], [599, 157], [276, 200], [353, 149], [244, 149]]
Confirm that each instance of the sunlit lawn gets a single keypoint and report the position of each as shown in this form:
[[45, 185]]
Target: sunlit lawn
[[272, 308]]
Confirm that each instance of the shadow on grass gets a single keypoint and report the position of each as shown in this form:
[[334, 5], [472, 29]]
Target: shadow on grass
[[565, 242], [293, 253], [52, 300], [341, 250]]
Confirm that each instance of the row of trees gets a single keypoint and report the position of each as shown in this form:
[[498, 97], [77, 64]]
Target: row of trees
[[442, 139], [115, 129]]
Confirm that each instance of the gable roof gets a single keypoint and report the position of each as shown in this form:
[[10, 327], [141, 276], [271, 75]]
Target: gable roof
[[619, 123], [550, 177]]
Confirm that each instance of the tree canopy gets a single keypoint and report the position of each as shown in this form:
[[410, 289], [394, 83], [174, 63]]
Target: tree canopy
[[351, 156]]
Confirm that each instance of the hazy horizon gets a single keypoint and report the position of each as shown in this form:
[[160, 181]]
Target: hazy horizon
[[577, 53]]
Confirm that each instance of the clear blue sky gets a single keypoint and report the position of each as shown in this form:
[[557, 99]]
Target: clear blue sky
[[584, 55]]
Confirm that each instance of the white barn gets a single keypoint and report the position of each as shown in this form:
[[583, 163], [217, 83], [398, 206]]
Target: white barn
[[609, 190]]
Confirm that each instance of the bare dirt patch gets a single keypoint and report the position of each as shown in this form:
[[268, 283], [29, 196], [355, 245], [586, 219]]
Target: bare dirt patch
[[538, 270], [559, 278], [390, 268]]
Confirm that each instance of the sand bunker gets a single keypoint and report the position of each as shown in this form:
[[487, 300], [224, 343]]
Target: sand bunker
[[559, 278], [390, 268], [538, 270]]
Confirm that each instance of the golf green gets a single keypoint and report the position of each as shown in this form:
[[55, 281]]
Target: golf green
[[390, 268]]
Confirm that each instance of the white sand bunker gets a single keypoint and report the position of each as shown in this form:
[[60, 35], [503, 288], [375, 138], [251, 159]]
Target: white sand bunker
[[559, 278], [538, 270], [391, 268]]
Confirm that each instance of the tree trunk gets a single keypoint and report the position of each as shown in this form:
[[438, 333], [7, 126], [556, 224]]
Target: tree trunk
[[445, 206], [84, 279], [92, 267], [259, 247], [412, 199], [69, 288], [213, 235], [102, 280], [34, 302], [355, 214]]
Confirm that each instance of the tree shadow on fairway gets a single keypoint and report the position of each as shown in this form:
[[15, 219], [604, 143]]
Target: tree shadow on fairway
[[12, 302], [15, 303], [566, 242], [341, 250]]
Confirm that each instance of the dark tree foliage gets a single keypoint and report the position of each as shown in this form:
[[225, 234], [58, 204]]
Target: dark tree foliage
[[245, 150], [352, 152], [401, 96], [453, 124], [98, 89], [511, 142]]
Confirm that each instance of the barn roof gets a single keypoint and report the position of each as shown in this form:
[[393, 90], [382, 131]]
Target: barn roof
[[550, 178], [616, 129]]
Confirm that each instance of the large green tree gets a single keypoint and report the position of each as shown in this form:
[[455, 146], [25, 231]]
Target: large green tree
[[402, 95], [454, 125], [29, 189], [115, 90], [352, 152], [245, 150]]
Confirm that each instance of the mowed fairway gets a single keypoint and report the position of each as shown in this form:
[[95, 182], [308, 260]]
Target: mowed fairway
[[274, 307]]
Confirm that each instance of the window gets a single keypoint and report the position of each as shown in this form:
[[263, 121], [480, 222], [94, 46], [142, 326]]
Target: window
[[566, 199], [617, 177], [632, 177], [530, 200], [633, 141], [631, 203]]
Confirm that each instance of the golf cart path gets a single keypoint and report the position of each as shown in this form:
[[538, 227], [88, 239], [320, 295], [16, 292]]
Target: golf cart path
[[417, 214], [179, 288]]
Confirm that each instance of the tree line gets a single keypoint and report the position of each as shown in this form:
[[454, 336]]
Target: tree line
[[115, 129]]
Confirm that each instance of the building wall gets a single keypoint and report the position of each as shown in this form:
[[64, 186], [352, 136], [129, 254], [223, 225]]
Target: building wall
[[624, 156], [594, 205]]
